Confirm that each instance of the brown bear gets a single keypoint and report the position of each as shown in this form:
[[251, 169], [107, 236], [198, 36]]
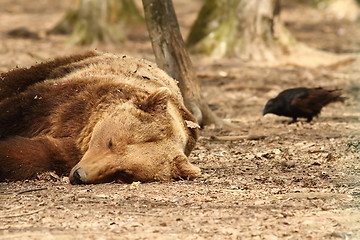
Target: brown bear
[[100, 116]]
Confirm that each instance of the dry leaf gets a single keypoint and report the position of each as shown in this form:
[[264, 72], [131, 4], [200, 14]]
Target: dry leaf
[[191, 124], [134, 185]]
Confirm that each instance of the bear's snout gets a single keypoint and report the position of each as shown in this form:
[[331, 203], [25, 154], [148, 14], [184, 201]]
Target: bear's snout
[[78, 176]]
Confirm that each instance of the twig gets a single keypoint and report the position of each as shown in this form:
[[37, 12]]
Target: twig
[[6, 193], [36, 56], [237, 138], [21, 214], [229, 190], [228, 138], [141, 214], [31, 190], [242, 86]]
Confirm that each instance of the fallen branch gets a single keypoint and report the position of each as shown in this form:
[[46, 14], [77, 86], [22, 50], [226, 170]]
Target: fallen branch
[[229, 190], [237, 138], [141, 214], [232, 87], [30, 190], [315, 195], [21, 214]]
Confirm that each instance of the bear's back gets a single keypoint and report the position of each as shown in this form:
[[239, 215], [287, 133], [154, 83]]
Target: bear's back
[[18, 80], [43, 98], [119, 68], [138, 73]]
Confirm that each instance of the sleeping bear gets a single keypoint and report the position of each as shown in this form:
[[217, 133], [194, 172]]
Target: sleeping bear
[[98, 117]]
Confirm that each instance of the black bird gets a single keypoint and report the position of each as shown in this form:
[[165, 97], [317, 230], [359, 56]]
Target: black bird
[[302, 102]]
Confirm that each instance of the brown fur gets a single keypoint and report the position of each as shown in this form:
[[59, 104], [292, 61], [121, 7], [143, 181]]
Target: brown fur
[[114, 117]]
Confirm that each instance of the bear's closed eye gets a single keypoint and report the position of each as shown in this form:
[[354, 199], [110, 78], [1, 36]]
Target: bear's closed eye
[[110, 144]]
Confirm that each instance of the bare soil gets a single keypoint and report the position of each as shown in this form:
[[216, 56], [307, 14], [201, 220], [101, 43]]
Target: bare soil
[[269, 180]]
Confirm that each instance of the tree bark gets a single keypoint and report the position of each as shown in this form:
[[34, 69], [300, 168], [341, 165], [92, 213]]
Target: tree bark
[[243, 28], [215, 29], [92, 21], [263, 35], [172, 57]]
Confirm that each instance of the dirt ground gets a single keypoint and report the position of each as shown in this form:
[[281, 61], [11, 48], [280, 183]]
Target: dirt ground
[[297, 181]]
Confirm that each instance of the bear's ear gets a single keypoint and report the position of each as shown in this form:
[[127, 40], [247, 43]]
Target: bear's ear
[[157, 101], [184, 169]]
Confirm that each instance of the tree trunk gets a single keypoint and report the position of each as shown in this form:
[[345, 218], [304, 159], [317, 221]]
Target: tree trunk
[[252, 30], [172, 57], [244, 28], [215, 29], [263, 35], [92, 21]]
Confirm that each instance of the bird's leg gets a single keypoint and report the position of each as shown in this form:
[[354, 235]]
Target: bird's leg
[[309, 119]]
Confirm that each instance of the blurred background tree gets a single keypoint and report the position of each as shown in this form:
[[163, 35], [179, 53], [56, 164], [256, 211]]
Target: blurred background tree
[[244, 28], [91, 21], [251, 30]]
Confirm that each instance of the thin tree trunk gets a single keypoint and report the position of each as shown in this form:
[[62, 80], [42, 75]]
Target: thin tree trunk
[[172, 57]]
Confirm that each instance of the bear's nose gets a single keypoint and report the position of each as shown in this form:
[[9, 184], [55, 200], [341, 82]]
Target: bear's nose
[[78, 176]]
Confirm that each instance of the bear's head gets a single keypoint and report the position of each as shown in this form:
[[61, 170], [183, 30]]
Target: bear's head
[[137, 142]]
